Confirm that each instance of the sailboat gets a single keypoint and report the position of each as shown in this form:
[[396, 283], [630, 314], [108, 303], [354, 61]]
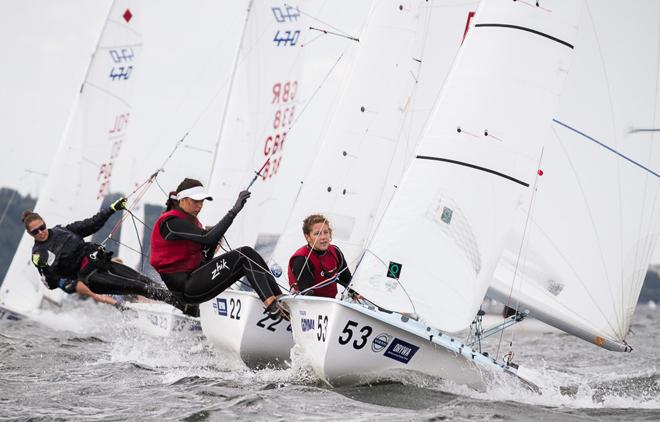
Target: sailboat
[[237, 317], [156, 318], [262, 106], [94, 136], [430, 258]]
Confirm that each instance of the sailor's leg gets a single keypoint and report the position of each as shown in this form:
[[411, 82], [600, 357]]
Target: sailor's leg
[[128, 272], [257, 273], [102, 282], [212, 278], [221, 272]]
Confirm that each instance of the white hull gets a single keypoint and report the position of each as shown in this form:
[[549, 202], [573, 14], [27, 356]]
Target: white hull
[[159, 319], [235, 322], [348, 343], [7, 314]]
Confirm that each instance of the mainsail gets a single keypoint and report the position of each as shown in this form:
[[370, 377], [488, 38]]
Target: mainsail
[[93, 140], [594, 219], [405, 54], [437, 245], [262, 105], [263, 129]]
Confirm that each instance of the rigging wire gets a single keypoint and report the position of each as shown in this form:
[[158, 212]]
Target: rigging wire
[[11, 199], [521, 249], [344, 33], [268, 271], [326, 32], [644, 255], [608, 90]]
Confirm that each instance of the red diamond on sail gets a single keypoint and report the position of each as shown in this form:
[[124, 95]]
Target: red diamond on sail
[[127, 15]]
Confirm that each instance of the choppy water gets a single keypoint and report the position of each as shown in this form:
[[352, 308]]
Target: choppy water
[[85, 363]]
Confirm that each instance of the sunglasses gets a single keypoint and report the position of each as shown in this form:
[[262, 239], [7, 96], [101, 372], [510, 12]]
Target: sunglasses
[[36, 231]]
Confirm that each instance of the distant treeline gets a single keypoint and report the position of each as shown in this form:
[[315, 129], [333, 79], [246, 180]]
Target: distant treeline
[[11, 228], [13, 203]]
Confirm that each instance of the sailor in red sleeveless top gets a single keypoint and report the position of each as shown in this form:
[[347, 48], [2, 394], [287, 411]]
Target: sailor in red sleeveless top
[[182, 252], [313, 266]]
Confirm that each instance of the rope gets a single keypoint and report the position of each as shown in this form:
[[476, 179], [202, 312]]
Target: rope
[[252, 261], [129, 247], [137, 234], [142, 189], [322, 283]]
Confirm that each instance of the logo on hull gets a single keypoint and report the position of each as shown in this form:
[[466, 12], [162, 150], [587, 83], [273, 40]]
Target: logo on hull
[[380, 342], [401, 351], [220, 306], [307, 324]]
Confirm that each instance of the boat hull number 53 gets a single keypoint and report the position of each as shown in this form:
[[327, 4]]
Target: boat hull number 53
[[359, 335]]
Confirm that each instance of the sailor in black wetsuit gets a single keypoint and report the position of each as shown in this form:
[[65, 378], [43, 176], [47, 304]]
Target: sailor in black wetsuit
[[60, 253], [182, 252]]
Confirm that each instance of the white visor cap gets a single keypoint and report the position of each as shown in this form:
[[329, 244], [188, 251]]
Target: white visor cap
[[197, 193]]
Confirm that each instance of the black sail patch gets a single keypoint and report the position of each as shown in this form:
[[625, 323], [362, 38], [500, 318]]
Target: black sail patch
[[394, 270]]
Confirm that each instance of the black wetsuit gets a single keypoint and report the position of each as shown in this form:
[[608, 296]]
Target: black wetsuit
[[61, 257], [215, 274]]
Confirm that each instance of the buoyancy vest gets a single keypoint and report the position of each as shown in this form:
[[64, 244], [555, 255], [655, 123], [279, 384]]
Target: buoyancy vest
[[174, 256], [323, 267], [65, 250]]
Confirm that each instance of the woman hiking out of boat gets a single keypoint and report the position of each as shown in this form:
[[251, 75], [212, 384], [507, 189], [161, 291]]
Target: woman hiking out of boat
[[317, 267], [81, 289], [61, 255], [182, 252]]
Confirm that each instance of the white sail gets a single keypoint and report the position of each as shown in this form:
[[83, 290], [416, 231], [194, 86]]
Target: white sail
[[595, 216], [405, 54], [437, 245], [81, 172], [263, 107], [278, 108]]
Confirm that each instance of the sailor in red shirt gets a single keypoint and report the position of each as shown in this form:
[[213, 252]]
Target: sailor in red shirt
[[182, 252], [316, 263]]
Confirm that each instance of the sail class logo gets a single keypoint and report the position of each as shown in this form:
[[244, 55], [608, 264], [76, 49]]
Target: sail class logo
[[446, 215], [401, 351], [394, 270], [220, 306]]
